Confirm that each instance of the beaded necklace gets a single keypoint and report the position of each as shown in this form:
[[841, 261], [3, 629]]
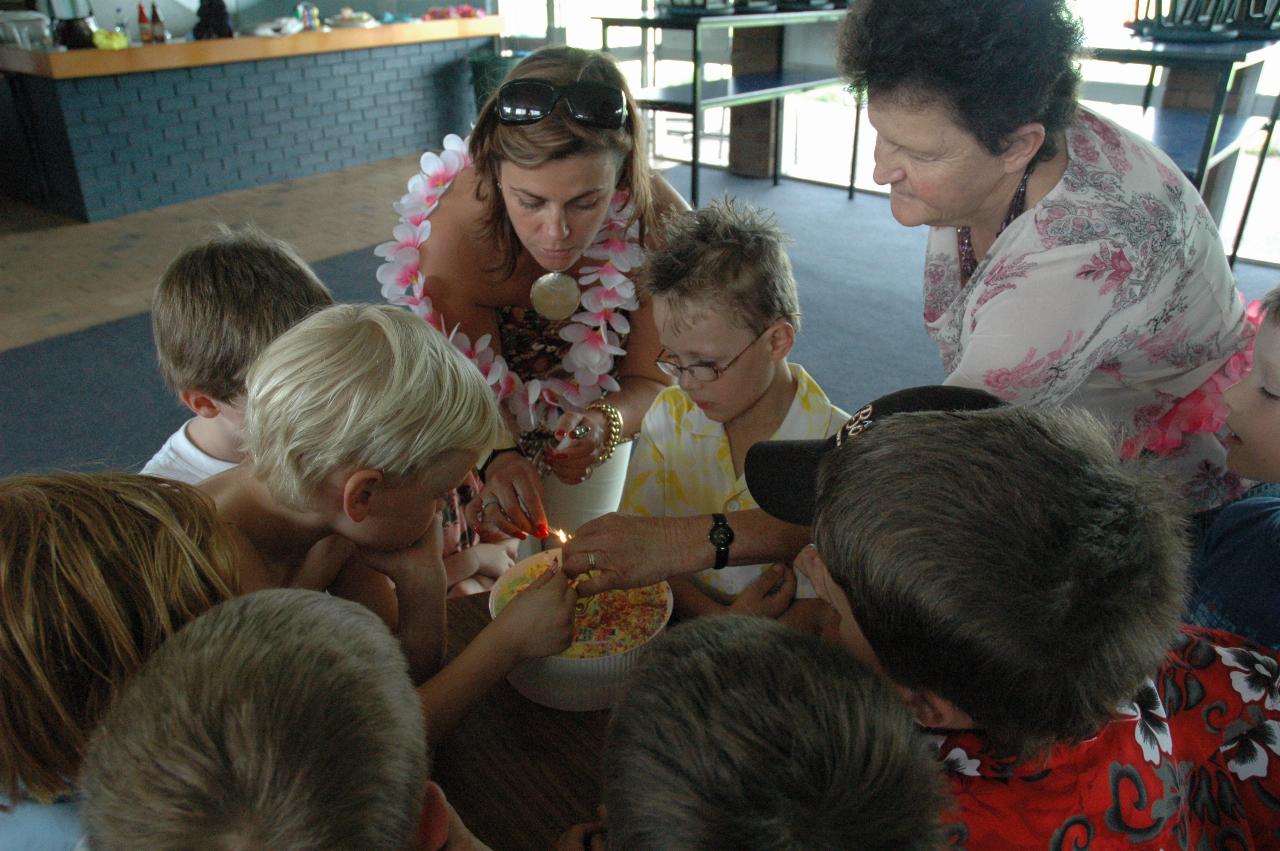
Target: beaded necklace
[[964, 240]]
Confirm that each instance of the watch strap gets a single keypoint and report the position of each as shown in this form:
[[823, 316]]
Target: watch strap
[[720, 536]]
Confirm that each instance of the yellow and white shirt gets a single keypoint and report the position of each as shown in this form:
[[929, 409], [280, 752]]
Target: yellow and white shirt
[[681, 465]]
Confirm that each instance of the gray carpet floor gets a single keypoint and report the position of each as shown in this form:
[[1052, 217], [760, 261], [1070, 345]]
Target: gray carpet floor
[[94, 399]]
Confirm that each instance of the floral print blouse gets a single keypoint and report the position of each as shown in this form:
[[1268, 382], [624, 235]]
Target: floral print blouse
[[1192, 763], [1113, 293]]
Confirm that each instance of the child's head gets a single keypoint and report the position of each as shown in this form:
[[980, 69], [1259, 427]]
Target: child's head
[[365, 388], [282, 719], [737, 732], [1001, 567], [725, 303], [1253, 449], [96, 570], [220, 303]]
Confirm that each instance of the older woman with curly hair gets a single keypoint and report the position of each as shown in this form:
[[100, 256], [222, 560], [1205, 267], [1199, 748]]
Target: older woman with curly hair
[[1068, 259]]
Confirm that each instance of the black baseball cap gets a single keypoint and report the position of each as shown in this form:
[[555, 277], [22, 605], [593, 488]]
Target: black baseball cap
[[782, 475]]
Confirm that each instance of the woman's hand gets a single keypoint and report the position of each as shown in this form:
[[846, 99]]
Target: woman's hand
[[511, 500], [619, 551], [581, 438]]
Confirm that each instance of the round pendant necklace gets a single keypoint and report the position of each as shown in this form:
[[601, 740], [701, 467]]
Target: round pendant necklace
[[555, 295]]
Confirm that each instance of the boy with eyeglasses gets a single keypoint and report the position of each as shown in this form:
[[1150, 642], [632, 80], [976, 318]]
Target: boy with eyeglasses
[[725, 304]]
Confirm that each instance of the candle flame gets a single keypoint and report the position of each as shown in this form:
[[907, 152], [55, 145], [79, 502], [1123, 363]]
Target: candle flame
[[560, 533]]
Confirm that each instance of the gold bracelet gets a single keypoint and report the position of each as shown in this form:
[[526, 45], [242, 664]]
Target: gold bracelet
[[613, 432]]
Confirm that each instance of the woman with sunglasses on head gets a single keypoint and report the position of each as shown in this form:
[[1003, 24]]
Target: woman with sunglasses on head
[[523, 243]]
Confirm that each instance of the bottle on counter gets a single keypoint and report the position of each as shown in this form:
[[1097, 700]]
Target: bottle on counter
[[122, 26], [159, 35], [144, 25]]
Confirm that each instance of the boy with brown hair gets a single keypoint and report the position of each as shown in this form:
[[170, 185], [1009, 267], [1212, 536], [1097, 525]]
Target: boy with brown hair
[[1021, 589], [284, 719], [724, 300], [737, 732], [217, 306]]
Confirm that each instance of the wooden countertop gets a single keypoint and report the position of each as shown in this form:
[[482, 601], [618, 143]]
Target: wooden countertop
[[71, 64], [518, 774]]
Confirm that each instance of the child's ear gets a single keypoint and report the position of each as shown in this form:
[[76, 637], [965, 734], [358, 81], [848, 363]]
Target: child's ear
[[357, 493], [933, 711], [201, 404], [781, 338]]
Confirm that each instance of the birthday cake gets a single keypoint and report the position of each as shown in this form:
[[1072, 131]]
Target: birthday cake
[[609, 623], [608, 630]]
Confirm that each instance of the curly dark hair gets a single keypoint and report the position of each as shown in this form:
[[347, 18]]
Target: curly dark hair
[[997, 64]]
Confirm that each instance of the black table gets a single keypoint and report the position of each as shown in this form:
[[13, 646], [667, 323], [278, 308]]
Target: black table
[[518, 774]]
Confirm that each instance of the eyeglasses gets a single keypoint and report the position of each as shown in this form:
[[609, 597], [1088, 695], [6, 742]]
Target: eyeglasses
[[528, 101], [704, 373]]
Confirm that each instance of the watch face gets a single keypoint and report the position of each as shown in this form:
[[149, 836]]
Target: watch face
[[721, 536]]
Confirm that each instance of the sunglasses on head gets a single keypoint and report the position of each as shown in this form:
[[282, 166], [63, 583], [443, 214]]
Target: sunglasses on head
[[593, 104]]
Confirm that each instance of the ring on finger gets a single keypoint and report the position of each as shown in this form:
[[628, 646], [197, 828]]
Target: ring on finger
[[591, 560], [580, 431]]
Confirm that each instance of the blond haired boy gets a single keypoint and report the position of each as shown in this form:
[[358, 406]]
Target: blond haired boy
[[295, 726], [359, 420], [217, 306], [725, 304]]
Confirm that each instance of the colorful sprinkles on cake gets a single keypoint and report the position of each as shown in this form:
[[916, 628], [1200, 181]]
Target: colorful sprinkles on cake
[[613, 622]]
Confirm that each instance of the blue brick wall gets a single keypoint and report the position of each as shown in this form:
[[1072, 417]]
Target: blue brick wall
[[142, 140]]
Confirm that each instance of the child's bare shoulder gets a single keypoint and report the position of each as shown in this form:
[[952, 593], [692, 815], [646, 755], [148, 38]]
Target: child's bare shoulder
[[227, 487], [239, 501], [254, 571]]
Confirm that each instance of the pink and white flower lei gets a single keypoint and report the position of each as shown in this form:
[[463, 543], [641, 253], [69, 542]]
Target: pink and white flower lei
[[606, 294]]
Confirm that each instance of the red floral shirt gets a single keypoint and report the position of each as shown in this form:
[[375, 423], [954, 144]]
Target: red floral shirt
[[1193, 762]]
